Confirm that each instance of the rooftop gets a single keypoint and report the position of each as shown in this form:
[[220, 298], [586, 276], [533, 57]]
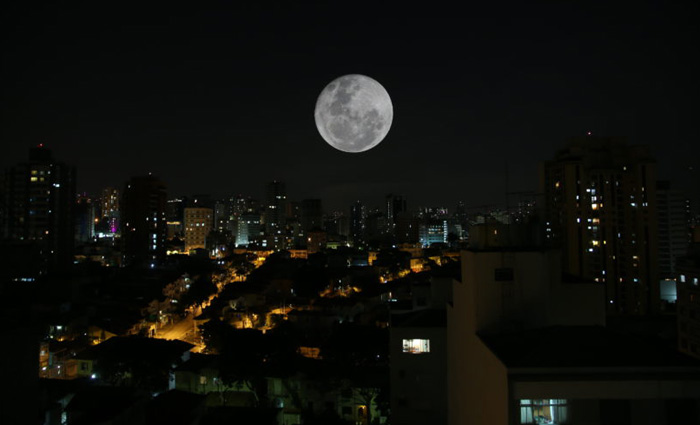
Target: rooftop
[[583, 346], [428, 318]]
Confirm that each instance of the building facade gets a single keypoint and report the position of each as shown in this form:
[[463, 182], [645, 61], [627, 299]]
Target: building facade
[[38, 218], [144, 221], [198, 223], [600, 207]]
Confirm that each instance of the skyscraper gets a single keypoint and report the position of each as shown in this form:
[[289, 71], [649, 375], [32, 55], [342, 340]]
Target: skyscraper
[[143, 215], [395, 206], [311, 214], [673, 228], [175, 217], [358, 223], [84, 219], [39, 200], [248, 229], [275, 207], [110, 210], [600, 208]]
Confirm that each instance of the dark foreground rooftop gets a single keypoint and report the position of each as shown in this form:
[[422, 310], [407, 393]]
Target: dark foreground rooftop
[[583, 346]]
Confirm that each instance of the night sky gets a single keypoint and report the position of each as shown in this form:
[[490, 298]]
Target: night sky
[[221, 100]]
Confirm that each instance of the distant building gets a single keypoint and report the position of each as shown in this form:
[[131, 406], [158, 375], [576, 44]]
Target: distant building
[[248, 229], [395, 206], [39, 199], [109, 202], [109, 214], [198, 223], [222, 215], [311, 215], [85, 218], [275, 208], [336, 225], [673, 228], [358, 223], [144, 222], [601, 208], [175, 217], [407, 229], [376, 227], [432, 231], [316, 241]]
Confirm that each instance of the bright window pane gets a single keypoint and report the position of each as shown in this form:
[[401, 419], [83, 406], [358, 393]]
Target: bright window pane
[[416, 346]]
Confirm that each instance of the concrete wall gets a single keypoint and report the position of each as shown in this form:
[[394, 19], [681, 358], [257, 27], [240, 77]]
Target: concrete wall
[[477, 381], [418, 381]]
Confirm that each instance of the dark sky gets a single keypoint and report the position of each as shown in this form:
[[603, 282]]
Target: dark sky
[[220, 100]]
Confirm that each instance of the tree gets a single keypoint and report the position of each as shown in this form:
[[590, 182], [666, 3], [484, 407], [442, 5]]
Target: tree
[[243, 357], [200, 290]]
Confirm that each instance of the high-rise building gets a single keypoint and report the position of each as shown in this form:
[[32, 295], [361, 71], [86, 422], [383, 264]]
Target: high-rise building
[[222, 215], [109, 211], [311, 214], [239, 205], [85, 217], [673, 228], [39, 198], [109, 202], [143, 214], [395, 206], [248, 228], [600, 207], [275, 208], [358, 223], [198, 223], [175, 217]]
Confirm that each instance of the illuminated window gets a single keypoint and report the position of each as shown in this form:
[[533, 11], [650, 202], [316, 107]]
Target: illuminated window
[[416, 346], [547, 411]]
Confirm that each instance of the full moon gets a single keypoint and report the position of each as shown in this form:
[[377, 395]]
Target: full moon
[[354, 113]]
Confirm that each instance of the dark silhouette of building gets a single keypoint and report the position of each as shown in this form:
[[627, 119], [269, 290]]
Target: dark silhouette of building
[[311, 214], [85, 214], [38, 218], [175, 217], [674, 237], [395, 206], [143, 215], [275, 207], [688, 301], [358, 223], [108, 212], [601, 209]]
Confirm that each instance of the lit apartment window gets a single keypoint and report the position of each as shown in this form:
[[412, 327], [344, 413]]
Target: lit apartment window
[[547, 411], [416, 346]]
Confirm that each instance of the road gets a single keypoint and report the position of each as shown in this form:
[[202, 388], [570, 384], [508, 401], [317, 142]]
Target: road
[[180, 330]]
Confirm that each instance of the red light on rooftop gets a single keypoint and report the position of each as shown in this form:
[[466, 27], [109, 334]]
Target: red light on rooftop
[[588, 133], [40, 145]]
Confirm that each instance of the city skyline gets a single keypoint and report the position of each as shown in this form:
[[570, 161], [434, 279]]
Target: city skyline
[[221, 101], [197, 227]]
